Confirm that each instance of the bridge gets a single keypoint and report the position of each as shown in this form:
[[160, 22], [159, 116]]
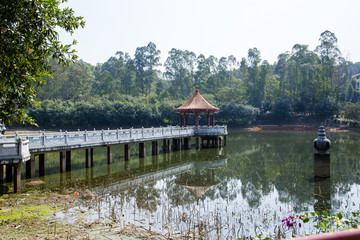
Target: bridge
[[19, 148]]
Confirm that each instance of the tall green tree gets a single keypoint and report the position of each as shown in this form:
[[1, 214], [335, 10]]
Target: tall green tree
[[329, 53], [180, 71], [28, 38], [146, 59]]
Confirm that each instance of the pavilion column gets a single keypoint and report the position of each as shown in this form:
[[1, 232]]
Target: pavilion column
[[197, 120], [213, 119], [180, 120], [185, 120], [208, 120]]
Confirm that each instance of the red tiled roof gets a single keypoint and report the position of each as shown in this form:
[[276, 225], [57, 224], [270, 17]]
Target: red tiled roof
[[197, 104]]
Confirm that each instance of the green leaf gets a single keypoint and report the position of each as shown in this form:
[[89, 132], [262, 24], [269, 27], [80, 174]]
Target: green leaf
[[339, 215], [325, 213]]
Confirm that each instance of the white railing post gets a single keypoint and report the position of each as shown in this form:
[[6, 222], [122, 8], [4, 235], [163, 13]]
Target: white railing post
[[162, 130], [152, 130], [43, 138], [142, 131], [130, 133], [85, 136], [66, 137], [102, 135], [117, 134]]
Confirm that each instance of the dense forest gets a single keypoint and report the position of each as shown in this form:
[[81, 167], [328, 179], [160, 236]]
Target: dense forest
[[303, 85]]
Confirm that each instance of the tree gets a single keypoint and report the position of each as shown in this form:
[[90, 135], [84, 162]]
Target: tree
[[180, 71], [28, 39], [146, 59], [329, 53]]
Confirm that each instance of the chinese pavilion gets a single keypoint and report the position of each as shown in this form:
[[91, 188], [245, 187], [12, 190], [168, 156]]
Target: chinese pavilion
[[197, 105]]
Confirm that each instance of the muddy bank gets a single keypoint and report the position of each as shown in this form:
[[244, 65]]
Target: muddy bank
[[34, 215]]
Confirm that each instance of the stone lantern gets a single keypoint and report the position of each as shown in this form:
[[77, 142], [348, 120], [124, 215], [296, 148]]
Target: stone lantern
[[321, 158], [321, 143]]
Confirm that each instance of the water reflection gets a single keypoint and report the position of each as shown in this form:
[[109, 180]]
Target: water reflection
[[242, 190], [199, 180]]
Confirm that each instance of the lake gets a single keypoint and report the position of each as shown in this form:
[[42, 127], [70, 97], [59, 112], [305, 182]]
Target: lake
[[240, 190]]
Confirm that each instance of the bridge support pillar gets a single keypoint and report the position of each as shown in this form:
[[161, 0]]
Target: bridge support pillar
[[179, 144], [2, 172], [62, 161], [30, 167], [9, 173], [197, 145], [127, 152], [155, 148], [217, 141], [17, 179], [88, 158], [175, 145], [68, 161], [142, 150], [92, 156], [164, 148], [168, 146], [42, 165], [224, 141], [187, 143], [109, 155]]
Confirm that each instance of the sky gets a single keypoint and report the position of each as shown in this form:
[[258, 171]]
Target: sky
[[213, 27]]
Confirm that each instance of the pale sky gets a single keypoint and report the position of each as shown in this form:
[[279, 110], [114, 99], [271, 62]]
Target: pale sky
[[213, 27]]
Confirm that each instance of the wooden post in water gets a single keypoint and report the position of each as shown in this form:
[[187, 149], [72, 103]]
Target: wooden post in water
[[109, 155], [225, 141], [17, 179], [30, 167], [127, 152], [41, 164], [68, 161], [197, 144], [142, 150]]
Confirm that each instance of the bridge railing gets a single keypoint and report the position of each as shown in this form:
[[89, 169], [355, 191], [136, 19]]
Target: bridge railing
[[14, 151], [49, 139]]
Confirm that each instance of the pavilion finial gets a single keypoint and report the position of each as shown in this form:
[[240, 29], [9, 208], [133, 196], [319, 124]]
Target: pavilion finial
[[197, 88]]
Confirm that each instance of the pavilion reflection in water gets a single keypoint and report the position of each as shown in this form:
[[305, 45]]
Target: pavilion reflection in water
[[201, 178]]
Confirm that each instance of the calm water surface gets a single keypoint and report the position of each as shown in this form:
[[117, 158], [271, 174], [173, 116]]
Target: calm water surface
[[243, 189]]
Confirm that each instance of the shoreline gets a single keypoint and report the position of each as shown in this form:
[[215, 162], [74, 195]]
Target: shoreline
[[252, 128]]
